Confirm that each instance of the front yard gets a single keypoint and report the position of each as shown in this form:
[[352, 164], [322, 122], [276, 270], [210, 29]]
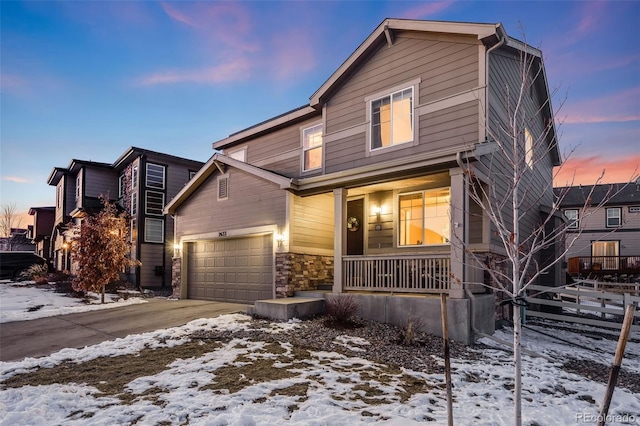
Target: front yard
[[237, 370]]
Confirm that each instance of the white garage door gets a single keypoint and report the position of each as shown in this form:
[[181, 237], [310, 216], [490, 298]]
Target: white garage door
[[232, 270]]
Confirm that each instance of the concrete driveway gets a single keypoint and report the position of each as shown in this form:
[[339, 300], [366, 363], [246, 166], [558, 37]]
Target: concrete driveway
[[45, 336]]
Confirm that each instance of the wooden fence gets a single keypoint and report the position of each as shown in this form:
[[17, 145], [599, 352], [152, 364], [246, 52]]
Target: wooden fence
[[582, 304]]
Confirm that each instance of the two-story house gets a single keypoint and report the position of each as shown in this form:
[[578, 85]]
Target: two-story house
[[363, 189], [603, 230], [141, 180], [43, 218]]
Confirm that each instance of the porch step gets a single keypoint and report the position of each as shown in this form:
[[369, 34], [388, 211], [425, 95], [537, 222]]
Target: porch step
[[288, 308], [313, 294]]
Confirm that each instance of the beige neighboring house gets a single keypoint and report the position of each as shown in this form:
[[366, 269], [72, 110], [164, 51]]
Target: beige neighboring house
[[360, 190], [141, 181]]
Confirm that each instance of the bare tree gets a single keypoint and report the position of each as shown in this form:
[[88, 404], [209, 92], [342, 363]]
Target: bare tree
[[509, 186], [9, 218]]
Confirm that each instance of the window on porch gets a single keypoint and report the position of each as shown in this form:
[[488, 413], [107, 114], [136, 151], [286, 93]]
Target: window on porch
[[424, 217]]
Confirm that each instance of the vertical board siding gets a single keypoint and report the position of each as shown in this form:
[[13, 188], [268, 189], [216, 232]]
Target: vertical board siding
[[151, 255], [312, 223], [504, 85], [252, 202]]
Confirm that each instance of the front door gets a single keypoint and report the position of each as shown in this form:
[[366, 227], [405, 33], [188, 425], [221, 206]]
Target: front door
[[355, 227]]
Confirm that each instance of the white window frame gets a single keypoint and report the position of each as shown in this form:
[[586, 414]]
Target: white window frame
[[414, 85], [617, 210], [574, 222], [146, 203], [134, 177], [121, 185], [306, 148], [147, 237], [78, 185], [134, 203], [149, 173], [528, 148], [424, 218]]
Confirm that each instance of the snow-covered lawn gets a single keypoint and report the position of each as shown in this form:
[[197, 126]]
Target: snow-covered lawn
[[23, 301], [244, 381]]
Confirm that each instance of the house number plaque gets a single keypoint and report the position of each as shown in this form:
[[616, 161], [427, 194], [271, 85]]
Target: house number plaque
[[222, 234]]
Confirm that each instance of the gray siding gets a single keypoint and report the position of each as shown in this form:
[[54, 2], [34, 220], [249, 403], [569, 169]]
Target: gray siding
[[252, 202], [504, 85], [100, 182], [445, 67], [152, 256], [311, 224]]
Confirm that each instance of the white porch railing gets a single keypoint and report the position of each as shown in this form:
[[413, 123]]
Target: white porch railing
[[400, 273]]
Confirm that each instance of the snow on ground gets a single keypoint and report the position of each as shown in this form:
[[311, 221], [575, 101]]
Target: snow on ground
[[20, 302], [324, 388]]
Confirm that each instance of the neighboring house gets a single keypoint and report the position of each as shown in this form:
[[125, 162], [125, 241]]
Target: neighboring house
[[608, 238], [43, 220], [18, 240], [361, 191], [141, 180]]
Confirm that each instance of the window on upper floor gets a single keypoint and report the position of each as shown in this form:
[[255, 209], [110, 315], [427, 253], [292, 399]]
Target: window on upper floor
[[78, 186], [155, 176], [614, 217], [572, 216], [153, 230], [391, 119], [528, 148], [134, 177], [424, 217], [312, 148], [122, 182], [134, 203], [59, 196], [154, 202]]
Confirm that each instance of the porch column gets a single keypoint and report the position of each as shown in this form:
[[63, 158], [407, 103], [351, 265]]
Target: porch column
[[339, 235], [458, 232]]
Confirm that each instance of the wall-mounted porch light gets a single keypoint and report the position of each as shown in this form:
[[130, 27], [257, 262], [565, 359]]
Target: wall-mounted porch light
[[377, 210], [176, 249], [279, 239]]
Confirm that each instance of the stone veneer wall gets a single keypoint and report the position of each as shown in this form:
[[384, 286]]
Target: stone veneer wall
[[176, 266], [297, 272]]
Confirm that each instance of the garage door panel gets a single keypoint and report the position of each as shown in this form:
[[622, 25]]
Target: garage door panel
[[234, 270]]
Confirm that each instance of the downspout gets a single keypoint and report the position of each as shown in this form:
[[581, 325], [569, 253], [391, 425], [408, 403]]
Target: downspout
[[501, 40]]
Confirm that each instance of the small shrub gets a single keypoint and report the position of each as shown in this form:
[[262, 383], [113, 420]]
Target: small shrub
[[63, 284], [342, 309], [35, 272], [411, 330]]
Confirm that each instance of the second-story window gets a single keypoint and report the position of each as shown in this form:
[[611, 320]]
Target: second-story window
[[614, 217], [155, 176], [528, 148], [121, 185], [134, 177], [572, 216], [154, 203], [78, 186], [392, 119], [312, 148]]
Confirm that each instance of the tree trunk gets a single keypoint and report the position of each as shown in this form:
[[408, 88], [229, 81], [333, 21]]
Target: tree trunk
[[102, 295], [517, 366]]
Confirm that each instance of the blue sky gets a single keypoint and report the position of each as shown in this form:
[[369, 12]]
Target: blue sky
[[87, 80]]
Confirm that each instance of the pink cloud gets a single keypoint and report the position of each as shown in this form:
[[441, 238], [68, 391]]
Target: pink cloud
[[231, 71], [11, 83], [586, 170], [426, 9], [619, 107], [15, 179], [292, 54], [227, 24]]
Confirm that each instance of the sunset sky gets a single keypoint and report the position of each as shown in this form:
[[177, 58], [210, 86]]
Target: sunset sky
[[86, 80]]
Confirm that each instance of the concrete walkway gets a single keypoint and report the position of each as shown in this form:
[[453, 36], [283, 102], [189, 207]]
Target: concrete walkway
[[44, 336]]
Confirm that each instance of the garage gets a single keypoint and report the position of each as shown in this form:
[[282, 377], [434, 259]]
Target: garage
[[236, 270]]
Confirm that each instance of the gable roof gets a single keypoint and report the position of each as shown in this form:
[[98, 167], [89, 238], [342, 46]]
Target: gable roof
[[217, 163], [619, 194]]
